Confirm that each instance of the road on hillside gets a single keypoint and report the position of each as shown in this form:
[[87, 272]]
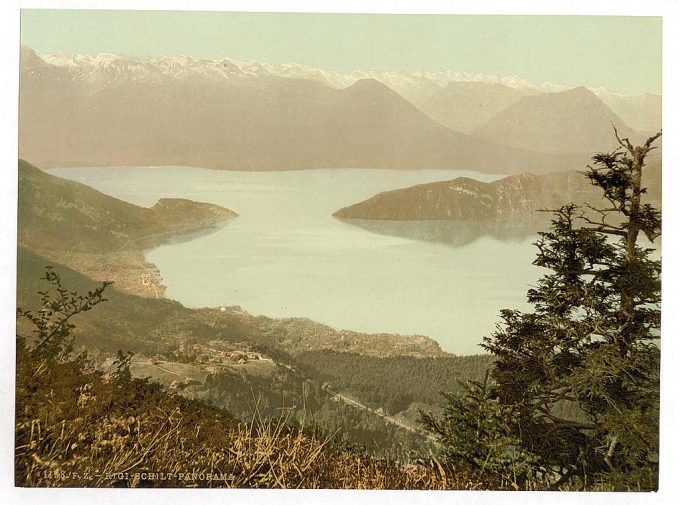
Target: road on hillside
[[388, 418]]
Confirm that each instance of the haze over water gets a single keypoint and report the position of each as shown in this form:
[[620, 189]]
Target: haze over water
[[286, 256]]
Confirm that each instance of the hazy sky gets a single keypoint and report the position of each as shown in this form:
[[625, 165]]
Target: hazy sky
[[619, 53]]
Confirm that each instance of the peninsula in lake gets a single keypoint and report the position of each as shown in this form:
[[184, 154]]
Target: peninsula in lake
[[101, 236], [461, 210], [469, 199]]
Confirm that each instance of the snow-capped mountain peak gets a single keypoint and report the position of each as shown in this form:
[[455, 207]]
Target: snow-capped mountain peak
[[225, 68]]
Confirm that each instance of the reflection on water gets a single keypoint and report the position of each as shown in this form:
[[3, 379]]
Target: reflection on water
[[285, 255], [459, 233], [178, 237]]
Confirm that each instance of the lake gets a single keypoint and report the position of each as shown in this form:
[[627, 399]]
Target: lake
[[286, 256]]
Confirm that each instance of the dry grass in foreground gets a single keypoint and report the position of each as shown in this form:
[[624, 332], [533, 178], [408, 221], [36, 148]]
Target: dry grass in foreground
[[78, 428]]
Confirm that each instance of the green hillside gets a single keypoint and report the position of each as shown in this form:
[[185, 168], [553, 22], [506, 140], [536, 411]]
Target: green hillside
[[58, 214], [395, 382], [76, 427], [126, 321], [103, 237]]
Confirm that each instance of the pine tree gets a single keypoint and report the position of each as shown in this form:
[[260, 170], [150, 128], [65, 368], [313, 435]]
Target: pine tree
[[582, 370], [477, 435]]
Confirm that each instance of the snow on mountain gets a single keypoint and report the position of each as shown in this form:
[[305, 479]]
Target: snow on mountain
[[89, 74], [411, 84]]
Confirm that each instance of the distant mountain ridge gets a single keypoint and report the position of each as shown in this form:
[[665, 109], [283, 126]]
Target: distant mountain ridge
[[270, 124], [566, 122], [76, 110], [86, 67], [641, 112], [464, 106]]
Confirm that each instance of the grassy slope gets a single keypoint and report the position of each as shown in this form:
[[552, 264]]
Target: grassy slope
[[76, 428], [125, 321], [298, 335]]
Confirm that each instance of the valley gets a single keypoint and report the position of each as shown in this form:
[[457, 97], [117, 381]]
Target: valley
[[222, 355], [285, 256]]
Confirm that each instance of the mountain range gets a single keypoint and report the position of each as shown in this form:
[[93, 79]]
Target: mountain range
[[108, 110]]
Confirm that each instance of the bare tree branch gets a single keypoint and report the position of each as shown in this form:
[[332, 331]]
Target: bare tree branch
[[625, 142]]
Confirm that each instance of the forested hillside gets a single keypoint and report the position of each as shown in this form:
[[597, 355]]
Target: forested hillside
[[395, 382]]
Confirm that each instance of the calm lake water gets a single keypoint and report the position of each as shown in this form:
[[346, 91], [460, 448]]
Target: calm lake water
[[285, 255]]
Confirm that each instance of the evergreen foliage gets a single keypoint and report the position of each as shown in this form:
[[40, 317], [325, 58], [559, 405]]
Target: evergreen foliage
[[576, 382], [477, 434], [591, 341], [394, 382]]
